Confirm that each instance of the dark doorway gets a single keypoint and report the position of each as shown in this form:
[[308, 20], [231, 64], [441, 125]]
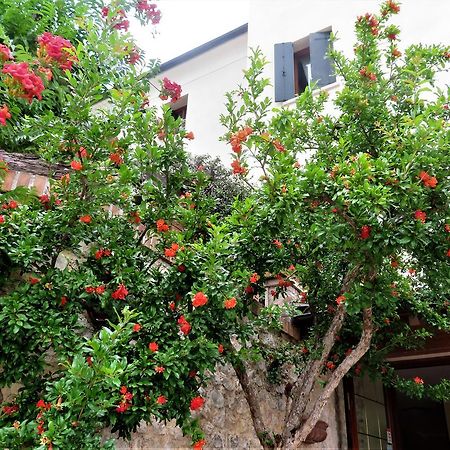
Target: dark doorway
[[422, 424]]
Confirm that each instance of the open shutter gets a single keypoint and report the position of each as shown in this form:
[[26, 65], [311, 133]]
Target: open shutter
[[284, 71], [322, 71]]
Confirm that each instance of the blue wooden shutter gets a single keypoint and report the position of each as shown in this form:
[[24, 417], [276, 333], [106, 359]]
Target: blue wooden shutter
[[284, 71], [322, 70]]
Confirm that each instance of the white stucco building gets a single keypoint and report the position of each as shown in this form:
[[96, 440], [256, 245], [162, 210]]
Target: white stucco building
[[208, 71]]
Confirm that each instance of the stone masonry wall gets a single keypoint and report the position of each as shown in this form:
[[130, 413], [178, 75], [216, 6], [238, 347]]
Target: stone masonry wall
[[226, 419]]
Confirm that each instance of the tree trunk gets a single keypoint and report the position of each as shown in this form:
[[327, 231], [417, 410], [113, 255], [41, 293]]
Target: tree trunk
[[251, 395], [300, 435]]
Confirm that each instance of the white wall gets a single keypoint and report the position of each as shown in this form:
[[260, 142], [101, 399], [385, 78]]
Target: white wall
[[290, 20], [205, 79]]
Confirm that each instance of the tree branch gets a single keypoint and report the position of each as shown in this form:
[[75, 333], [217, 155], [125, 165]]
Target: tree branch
[[251, 395], [335, 379]]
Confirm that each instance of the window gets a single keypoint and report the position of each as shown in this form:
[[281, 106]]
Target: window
[[300, 64], [179, 108]]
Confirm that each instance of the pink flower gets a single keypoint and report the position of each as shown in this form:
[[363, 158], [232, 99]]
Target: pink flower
[[5, 53], [24, 82]]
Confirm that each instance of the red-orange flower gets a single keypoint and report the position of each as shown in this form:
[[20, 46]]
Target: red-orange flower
[[254, 277], [172, 251], [86, 219], [185, 326], [159, 369], [76, 165], [199, 445], [420, 215], [418, 380], [340, 299], [153, 346], [161, 226], [189, 135], [120, 293], [199, 299], [161, 400], [4, 114], [136, 327], [197, 403], [230, 303]]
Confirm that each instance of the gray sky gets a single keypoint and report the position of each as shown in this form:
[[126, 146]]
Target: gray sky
[[185, 24]]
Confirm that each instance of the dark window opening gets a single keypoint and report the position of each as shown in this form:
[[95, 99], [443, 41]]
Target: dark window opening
[[180, 112], [302, 70]]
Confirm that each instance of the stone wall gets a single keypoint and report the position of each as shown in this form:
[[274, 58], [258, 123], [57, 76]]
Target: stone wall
[[226, 419]]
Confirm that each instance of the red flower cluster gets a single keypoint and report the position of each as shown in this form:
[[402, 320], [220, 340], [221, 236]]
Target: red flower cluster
[[172, 251], [12, 204], [86, 219], [76, 165], [277, 243], [277, 144], [161, 400], [197, 403], [116, 158], [428, 180], [199, 445], [330, 365], [420, 215], [120, 20], [120, 293], [418, 380], [239, 137], [282, 282], [2, 219], [371, 21], [170, 89], [391, 6], [340, 299], [153, 347], [161, 226], [237, 168], [95, 290], [230, 303], [4, 114], [189, 135], [364, 72], [220, 348], [185, 326], [199, 299], [159, 369], [100, 253], [135, 217], [365, 232], [23, 83], [134, 56], [5, 53], [254, 277], [42, 405], [56, 49], [153, 14], [126, 402], [136, 327], [9, 410]]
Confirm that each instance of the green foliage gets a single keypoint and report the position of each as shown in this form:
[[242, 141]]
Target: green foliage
[[124, 286]]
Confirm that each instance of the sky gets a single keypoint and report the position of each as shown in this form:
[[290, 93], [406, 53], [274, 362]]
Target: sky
[[186, 24]]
